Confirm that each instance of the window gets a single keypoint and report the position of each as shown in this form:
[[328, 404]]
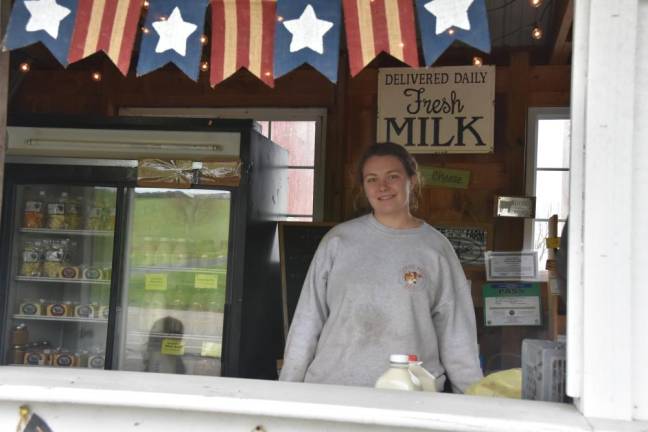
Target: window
[[547, 174], [298, 137], [300, 131]]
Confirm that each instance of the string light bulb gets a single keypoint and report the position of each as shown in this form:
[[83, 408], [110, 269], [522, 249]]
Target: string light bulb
[[145, 4], [145, 30], [24, 67], [280, 18], [96, 76], [204, 66], [204, 39], [535, 3], [451, 31], [477, 61], [536, 32]]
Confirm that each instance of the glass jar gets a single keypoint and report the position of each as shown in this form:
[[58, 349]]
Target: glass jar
[[109, 219], [56, 212], [94, 218], [54, 256], [73, 213], [32, 259], [34, 214]]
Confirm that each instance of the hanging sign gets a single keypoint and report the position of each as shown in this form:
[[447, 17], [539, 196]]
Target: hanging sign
[[211, 349], [444, 177], [155, 282], [172, 347], [209, 281], [437, 110], [511, 304]]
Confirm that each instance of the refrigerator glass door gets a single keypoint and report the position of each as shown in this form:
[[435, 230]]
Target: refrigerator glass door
[[60, 272], [174, 281]]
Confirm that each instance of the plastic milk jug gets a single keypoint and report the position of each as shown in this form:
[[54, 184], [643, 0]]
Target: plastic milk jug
[[398, 376], [427, 380]]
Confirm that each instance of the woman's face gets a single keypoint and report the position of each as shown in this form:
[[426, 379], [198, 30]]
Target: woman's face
[[387, 185]]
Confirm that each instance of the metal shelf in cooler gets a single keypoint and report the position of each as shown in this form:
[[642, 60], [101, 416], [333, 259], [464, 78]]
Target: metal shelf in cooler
[[63, 280], [64, 319], [177, 270], [93, 233], [202, 338]]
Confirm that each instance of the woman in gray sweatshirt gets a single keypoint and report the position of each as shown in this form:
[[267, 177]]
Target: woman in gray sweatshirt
[[384, 283]]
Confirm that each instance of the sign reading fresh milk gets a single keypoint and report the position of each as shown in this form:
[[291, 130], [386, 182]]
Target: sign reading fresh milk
[[437, 110]]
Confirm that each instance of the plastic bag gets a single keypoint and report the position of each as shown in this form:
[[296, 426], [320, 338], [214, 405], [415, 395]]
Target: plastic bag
[[165, 173], [506, 383]]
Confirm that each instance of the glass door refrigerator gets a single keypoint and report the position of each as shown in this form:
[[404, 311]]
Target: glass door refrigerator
[[102, 270]]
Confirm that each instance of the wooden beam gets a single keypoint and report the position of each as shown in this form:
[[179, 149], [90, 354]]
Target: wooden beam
[[4, 91], [561, 51]]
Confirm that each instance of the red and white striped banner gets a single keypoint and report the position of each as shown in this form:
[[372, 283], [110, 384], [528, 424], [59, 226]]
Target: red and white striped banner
[[106, 25], [242, 37], [373, 26]]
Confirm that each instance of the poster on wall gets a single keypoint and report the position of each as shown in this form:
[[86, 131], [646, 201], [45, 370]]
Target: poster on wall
[[469, 242], [512, 304], [437, 110]]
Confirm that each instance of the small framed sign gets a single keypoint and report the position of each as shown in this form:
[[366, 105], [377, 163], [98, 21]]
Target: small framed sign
[[514, 206], [469, 241], [512, 304], [507, 266]]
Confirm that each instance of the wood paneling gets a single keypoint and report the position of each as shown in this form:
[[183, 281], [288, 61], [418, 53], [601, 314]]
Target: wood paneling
[[351, 122]]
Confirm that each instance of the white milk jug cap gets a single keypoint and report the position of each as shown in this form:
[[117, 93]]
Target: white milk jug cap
[[399, 358]]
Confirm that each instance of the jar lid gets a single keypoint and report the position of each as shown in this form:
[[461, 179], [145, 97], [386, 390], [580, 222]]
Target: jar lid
[[399, 358]]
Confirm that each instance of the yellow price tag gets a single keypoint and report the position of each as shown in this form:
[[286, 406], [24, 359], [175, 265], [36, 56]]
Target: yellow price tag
[[553, 242], [203, 280], [155, 282], [172, 347], [211, 349]]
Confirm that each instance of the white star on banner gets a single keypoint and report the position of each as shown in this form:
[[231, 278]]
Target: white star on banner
[[173, 33], [45, 15], [450, 13], [308, 31]]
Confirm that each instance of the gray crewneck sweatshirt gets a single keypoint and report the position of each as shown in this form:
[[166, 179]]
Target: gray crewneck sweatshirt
[[372, 291]]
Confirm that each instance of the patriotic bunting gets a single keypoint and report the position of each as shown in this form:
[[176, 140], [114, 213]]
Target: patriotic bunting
[[308, 32], [267, 37], [242, 37], [373, 26], [444, 21], [106, 25], [47, 21], [174, 28]]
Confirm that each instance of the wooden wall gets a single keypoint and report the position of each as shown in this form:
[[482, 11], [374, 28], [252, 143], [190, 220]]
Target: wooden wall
[[351, 125]]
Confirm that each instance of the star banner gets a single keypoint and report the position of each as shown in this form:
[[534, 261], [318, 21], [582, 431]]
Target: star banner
[[242, 37], [106, 25], [47, 21], [308, 31], [173, 31], [444, 21], [373, 26]]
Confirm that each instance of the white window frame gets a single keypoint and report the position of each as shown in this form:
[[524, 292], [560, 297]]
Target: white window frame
[[607, 348], [318, 115], [534, 116]]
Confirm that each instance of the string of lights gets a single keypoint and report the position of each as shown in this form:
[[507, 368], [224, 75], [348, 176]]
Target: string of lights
[[536, 30], [536, 33]]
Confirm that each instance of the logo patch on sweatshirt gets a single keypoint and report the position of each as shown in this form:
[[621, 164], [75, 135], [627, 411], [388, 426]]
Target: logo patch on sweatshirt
[[411, 275]]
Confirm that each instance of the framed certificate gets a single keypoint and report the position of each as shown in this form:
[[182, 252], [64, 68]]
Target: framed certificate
[[503, 266]]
